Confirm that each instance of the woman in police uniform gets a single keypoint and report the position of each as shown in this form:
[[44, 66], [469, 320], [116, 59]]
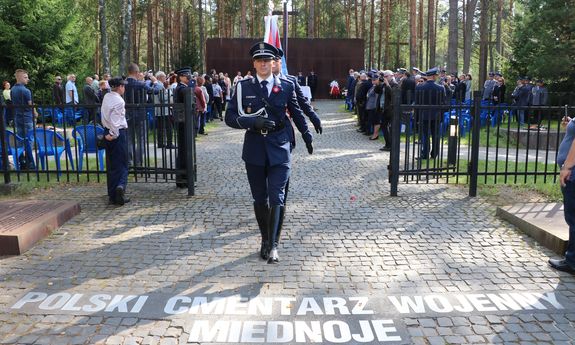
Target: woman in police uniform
[[259, 107]]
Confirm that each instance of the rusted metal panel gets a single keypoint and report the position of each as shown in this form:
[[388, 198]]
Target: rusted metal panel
[[23, 223], [329, 58]]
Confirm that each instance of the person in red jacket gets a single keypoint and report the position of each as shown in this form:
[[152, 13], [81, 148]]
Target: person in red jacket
[[200, 101]]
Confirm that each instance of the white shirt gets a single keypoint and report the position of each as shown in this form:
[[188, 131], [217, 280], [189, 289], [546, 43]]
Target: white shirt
[[270, 83], [114, 113], [71, 86]]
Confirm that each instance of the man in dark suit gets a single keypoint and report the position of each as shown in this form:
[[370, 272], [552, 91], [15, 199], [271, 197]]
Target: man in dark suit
[[312, 83], [58, 91], [301, 79], [136, 93], [90, 99], [184, 75], [259, 106], [429, 93]]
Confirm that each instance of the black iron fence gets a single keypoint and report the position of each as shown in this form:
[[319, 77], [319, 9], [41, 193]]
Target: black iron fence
[[475, 142], [61, 143]]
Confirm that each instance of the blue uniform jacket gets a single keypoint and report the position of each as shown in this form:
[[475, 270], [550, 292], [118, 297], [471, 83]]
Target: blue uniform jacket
[[429, 93], [303, 102], [273, 148]]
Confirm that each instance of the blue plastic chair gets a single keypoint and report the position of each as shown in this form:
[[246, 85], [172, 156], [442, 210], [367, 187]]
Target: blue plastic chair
[[46, 141], [20, 146], [86, 137], [50, 114], [484, 115]]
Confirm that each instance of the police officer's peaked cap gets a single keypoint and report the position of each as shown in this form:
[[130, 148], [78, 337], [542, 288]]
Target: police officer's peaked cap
[[526, 78], [498, 74], [491, 74], [117, 81], [431, 72], [280, 54], [184, 71], [401, 70], [540, 81], [263, 50]]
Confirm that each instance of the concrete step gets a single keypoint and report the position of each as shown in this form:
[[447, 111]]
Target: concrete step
[[542, 221], [25, 222]]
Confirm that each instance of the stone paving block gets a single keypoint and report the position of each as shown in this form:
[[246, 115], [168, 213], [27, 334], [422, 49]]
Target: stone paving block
[[432, 240]]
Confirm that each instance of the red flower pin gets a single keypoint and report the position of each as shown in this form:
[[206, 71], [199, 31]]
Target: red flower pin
[[276, 89]]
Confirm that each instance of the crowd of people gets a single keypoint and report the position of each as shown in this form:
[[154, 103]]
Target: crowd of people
[[368, 94]]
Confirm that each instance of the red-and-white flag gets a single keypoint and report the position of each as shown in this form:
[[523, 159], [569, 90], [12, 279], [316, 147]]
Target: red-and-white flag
[[272, 36]]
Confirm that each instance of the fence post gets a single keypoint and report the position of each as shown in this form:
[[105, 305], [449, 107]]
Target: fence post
[[4, 147], [393, 168], [190, 139], [475, 132]]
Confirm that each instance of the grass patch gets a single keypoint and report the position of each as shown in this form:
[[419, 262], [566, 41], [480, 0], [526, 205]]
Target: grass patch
[[489, 185]]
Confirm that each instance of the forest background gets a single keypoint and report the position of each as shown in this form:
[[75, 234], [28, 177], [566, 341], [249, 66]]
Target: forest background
[[516, 37]]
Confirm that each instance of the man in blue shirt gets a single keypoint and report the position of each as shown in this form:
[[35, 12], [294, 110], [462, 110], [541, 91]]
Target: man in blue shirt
[[566, 160], [24, 114]]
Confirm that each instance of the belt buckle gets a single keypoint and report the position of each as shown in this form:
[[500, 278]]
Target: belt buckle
[[264, 132]]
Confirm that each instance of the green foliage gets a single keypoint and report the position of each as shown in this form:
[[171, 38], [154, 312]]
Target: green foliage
[[544, 43], [45, 37]]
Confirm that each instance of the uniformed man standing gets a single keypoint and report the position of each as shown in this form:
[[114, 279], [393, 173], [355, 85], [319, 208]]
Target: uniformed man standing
[[259, 106], [429, 93], [184, 76], [302, 101]]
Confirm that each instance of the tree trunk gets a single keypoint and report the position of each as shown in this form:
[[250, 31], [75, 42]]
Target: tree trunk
[[311, 20], [135, 36], [431, 33], [104, 36], [387, 31], [347, 15], [412, 33], [371, 30], [468, 37], [420, 34], [355, 7], [243, 19], [380, 35], [158, 53], [252, 18], [452, 39], [490, 39], [201, 31], [498, 43], [483, 37], [126, 42], [150, 36], [363, 19]]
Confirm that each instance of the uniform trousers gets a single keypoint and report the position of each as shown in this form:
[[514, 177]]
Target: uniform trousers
[[429, 130], [268, 182], [569, 213], [23, 128], [117, 163]]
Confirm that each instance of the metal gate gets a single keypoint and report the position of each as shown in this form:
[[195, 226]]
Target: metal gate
[[474, 142], [63, 143]]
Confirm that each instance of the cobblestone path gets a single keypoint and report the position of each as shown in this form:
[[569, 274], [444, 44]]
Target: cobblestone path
[[431, 266]]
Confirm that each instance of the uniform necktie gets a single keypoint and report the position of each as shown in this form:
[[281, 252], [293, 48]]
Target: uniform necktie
[[264, 84]]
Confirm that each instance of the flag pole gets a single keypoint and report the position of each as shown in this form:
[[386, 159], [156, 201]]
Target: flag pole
[[285, 30]]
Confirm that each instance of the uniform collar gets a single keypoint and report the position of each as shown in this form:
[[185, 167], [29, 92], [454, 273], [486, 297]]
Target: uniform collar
[[269, 79]]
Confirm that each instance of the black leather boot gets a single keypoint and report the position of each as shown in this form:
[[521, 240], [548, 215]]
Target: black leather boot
[[262, 216], [275, 229]]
